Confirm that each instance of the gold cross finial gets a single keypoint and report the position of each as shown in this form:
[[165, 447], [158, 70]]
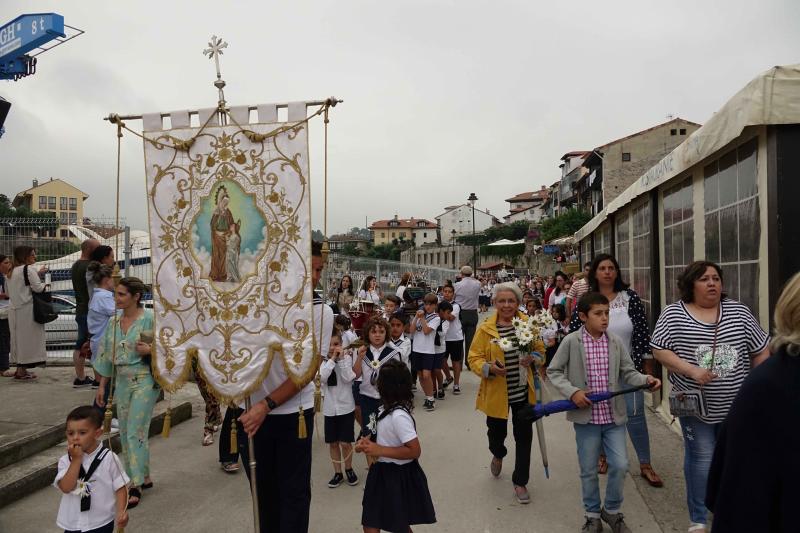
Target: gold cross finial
[[214, 50]]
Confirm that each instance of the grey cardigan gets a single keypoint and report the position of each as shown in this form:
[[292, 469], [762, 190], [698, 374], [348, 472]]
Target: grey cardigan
[[567, 373]]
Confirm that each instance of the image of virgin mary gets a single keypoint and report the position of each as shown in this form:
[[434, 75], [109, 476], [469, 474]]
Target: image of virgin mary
[[221, 229]]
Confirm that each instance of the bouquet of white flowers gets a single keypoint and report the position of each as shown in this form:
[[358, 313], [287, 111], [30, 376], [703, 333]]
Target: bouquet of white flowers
[[526, 333]]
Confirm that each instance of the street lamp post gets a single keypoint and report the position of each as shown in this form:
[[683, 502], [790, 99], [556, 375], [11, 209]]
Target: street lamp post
[[472, 199]]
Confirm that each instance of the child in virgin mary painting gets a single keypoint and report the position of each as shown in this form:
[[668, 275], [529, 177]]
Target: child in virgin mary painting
[[233, 243]]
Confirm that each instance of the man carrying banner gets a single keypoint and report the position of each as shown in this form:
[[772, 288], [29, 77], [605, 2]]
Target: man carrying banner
[[282, 453]]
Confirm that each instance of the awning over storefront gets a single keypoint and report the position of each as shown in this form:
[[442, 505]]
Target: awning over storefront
[[770, 98], [506, 242]]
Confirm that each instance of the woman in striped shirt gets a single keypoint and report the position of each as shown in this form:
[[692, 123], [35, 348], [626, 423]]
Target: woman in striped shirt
[[708, 342]]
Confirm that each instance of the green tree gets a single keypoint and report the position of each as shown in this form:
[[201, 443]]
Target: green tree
[[564, 224], [351, 249], [384, 251], [359, 232], [317, 235]]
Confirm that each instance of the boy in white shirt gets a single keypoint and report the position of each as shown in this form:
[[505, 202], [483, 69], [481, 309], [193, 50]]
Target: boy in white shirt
[[93, 482], [454, 340], [344, 325], [424, 325], [337, 375], [444, 310], [397, 326], [390, 306]]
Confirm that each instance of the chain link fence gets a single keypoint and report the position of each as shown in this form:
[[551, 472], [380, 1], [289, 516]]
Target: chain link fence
[[388, 273], [57, 248]]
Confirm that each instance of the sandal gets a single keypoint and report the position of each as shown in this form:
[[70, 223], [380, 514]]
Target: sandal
[[650, 475], [230, 468], [28, 376], [8, 373], [208, 438], [602, 465], [134, 493], [147, 485]]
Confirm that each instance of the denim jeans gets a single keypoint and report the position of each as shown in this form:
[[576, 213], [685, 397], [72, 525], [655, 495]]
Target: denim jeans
[[591, 439], [699, 439], [637, 425]]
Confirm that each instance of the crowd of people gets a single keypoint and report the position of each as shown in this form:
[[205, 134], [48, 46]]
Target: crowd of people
[[732, 391]]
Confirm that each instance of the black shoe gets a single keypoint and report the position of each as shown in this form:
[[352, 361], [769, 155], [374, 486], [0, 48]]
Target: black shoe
[[336, 480], [456, 390], [352, 478], [428, 405], [95, 384], [413, 387], [78, 383], [447, 383], [440, 394]]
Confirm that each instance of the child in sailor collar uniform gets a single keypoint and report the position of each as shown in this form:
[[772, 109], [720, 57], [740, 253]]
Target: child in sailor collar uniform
[[338, 408], [397, 325], [100, 500], [368, 363]]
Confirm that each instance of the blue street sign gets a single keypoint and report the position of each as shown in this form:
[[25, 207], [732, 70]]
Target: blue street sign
[[22, 35]]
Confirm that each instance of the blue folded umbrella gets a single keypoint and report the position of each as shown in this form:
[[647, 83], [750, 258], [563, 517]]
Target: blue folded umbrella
[[541, 410]]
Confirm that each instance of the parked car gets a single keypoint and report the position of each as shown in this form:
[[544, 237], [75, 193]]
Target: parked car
[[62, 331]]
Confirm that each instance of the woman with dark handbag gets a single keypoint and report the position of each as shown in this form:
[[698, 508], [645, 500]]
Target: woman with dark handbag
[[709, 343], [27, 335]]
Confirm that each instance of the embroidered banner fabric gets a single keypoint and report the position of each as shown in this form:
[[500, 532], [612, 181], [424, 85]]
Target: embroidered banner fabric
[[229, 213]]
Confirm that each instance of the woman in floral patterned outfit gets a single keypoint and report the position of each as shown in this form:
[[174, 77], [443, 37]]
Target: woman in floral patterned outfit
[[135, 391]]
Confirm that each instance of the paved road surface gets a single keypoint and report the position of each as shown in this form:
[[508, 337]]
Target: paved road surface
[[193, 494]]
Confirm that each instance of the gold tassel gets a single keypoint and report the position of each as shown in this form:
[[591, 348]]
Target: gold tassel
[[107, 417], [317, 395], [301, 424], [167, 424], [234, 441]]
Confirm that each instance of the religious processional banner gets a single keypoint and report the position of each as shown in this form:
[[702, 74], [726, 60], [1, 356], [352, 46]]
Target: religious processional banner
[[229, 213]]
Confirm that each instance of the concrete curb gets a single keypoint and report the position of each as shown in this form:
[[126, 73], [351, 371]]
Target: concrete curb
[[41, 475]]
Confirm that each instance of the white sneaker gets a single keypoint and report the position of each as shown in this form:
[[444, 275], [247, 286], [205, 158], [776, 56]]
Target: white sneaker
[[114, 423]]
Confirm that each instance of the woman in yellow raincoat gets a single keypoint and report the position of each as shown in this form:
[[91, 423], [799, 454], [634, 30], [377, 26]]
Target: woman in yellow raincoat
[[506, 383]]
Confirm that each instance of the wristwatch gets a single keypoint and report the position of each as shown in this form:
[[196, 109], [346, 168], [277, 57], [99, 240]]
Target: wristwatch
[[270, 403]]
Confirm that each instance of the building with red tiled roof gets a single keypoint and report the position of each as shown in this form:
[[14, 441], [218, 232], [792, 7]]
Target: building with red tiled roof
[[419, 230]]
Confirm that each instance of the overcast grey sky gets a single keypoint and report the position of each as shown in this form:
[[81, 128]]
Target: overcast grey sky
[[442, 98]]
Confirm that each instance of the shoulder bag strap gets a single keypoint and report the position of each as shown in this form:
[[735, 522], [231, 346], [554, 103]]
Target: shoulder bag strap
[[25, 275]]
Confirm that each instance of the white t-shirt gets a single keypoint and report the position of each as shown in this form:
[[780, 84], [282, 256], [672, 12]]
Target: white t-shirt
[[401, 290], [394, 430], [348, 337], [370, 296], [424, 343], [106, 480], [619, 321], [455, 332], [277, 374]]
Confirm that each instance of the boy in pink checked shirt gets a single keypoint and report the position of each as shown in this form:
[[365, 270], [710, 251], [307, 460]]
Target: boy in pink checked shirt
[[592, 360]]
